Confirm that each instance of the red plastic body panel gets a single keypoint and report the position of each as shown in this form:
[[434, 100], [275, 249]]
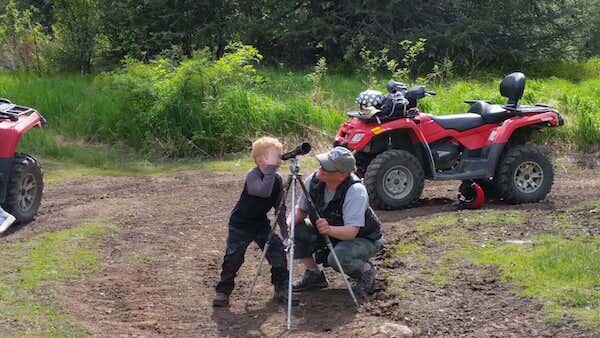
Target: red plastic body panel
[[11, 132], [509, 126], [425, 129]]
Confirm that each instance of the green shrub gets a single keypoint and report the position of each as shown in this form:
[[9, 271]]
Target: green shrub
[[202, 106], [586, 129], [572, 71], [199, 106]]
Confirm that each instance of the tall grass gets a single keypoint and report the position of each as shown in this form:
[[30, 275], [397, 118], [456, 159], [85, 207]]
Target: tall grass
[[203, 106]]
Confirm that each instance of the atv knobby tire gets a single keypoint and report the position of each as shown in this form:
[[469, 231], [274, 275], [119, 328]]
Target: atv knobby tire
[[524, 175], [394, 180], [25, 188]]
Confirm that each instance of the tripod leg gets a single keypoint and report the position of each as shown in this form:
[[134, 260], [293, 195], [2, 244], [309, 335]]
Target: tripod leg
[[314, 214], [267, 243], [337, 262], [293, 181]]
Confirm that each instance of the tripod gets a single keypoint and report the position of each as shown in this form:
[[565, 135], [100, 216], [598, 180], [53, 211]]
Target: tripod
[[295, 178]]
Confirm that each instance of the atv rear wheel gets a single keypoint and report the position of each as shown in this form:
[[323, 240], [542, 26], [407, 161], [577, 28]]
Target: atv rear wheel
[[394, 180], [25, 188], [524, 175]]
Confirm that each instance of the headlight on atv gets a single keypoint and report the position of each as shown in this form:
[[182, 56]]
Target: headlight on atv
[[357, 137]]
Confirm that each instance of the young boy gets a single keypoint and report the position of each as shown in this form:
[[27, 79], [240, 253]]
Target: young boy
[[6, 220], [263, 190]]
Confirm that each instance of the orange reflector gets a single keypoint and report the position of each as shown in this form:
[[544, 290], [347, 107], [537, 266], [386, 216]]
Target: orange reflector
[[377, 130]]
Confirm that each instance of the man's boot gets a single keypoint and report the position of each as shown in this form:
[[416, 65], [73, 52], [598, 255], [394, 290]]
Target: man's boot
[[221, 300], [365, 281], [310, 281]]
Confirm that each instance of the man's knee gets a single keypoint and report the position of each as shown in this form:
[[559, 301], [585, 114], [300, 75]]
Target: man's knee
[[305, 239], [305, 232], [344, 256]]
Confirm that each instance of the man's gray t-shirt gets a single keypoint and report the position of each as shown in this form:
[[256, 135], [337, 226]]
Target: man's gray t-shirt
[[355, 204]]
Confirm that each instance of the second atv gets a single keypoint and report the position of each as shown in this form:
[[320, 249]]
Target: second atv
[[21, 183], [397, 147]]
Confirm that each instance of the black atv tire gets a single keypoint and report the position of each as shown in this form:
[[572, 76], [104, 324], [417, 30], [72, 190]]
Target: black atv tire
[[384, 180], [25, 188], [524, 175]]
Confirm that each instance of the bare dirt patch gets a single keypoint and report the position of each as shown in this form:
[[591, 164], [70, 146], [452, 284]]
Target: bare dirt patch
[[160, 266]]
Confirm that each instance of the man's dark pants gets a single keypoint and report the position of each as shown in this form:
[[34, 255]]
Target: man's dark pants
[[353, 254], [238, 239]]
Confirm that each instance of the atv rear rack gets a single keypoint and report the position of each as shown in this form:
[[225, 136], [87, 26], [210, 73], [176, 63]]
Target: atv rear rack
[[11, 111]]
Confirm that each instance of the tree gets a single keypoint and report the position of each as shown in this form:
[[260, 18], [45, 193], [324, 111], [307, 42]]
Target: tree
[[592, 44], [144, 28], [77, 32], [22, 42]]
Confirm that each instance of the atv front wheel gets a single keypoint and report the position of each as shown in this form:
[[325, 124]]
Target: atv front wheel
[[394, 180], [24, 188], [524, 175]]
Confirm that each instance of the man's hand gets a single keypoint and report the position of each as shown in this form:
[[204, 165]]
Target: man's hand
[[323, 227]]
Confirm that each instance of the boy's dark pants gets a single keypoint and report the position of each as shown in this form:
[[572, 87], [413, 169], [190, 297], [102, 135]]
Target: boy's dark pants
[[238, 239]]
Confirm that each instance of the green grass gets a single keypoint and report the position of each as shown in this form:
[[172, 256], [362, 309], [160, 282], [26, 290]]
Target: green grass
[[30, 272], [64, 159], [410, 251], [451, 235], [561, 270], [177, 115], [564, 274], [447, 223], [67, 160]]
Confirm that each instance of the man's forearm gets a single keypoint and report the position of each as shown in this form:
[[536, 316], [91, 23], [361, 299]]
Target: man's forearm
[[343, 233]]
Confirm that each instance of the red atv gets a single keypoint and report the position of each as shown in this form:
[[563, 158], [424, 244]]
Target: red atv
[[397, 147], [21, 183]]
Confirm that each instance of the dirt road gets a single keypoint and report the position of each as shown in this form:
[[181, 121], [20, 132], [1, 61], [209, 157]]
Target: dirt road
[[160, 266]]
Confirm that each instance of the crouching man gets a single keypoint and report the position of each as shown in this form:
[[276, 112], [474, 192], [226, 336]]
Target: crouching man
[[343, 205]]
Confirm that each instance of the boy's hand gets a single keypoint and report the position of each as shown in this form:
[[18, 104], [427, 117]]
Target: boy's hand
[[287, 244], [273, 157]]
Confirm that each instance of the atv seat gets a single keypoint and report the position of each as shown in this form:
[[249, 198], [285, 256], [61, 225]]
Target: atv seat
[[460, 122], [491, 113]]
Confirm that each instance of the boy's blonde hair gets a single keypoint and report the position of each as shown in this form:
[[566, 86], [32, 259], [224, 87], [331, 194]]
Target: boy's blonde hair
[[263, 144]]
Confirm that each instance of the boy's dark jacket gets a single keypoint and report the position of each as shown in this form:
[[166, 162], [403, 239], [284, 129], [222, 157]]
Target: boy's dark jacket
[[250, 211]]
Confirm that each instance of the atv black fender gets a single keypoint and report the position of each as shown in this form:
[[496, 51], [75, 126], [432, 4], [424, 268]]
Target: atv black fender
[[404, 139]]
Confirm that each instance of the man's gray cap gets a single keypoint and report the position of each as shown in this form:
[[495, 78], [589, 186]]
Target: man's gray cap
[[338, 159]]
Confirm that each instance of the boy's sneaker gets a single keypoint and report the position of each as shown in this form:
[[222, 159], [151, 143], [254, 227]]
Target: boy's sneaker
[[364, 284], [221, 300], [310, 281], [8, 221], [281, 295]]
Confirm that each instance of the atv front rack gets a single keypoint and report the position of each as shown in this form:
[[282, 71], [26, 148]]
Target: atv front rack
[[11, 111]]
